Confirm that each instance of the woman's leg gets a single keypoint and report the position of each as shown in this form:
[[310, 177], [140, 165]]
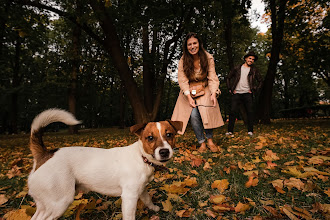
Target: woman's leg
[[197, 125]]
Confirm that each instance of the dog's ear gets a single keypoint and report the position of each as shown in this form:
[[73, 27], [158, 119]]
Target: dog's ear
[[137, 129], [177, 125]]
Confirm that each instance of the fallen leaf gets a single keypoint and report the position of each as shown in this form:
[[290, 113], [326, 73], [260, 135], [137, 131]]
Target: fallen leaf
[[241, 207], [293, 182], [167, 206], [287, 211], [3, 199], [185, 213], [19, 214], [207, 166], [196, 162], [271, 165], [194, 172], [221, 185], [210, 213], [272, 211], [253, 181], [222, 208], [270, 156], [218, 199], [327, 192]]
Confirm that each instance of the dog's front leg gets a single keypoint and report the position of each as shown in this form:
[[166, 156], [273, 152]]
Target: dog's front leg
[[128, 206], [146, 199]]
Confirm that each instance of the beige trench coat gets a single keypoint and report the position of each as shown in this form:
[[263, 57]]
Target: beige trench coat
[[211, 116]]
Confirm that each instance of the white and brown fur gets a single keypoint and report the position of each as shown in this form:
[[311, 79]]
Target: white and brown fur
[[121, 171]]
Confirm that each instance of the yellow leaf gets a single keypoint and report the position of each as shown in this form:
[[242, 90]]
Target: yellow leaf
[[221, 185], [207, 166], [279, 183], [185, 213], [241, 207], [194, 172], [270, 156], [167, 206], [218, 199], [19, 214], [221, 208]]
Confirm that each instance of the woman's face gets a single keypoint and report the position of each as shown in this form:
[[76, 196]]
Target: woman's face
[[193, 45]]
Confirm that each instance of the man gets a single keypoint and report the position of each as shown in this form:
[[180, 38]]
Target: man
[[242, 82]]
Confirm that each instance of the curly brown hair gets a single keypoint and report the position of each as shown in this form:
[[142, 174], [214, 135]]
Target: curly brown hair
[[188, 59]]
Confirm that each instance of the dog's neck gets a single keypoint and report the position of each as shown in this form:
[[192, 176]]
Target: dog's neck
[[157, 167]]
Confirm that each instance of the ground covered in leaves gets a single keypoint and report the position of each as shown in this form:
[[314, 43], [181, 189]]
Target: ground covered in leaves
[[282, 172]]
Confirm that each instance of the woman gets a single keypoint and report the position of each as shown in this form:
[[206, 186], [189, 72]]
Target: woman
[[196, 68]]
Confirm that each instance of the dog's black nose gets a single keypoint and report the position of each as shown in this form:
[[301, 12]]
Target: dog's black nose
[[164, 153]]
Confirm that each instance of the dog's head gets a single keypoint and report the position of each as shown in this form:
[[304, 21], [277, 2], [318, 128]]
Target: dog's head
[[158, 139]]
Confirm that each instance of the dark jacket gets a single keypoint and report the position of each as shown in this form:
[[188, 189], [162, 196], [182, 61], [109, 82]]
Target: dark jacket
[[254, 78]]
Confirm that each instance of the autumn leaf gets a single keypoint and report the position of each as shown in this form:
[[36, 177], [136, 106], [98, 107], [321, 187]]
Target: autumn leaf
[[289, 214], [218, 199], [293, 182], [15, 171], [325, 191], [19, 214], [271, 165], [253, 181], [3, 199], [185, 213], [241, 207], [194, 172], [272, 211], [207, 166], [270, 156], [210, 213], [167, 206], [196, 162], [222, 208], [221, 185]]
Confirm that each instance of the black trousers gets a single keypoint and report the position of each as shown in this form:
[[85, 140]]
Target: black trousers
[[247, 100]]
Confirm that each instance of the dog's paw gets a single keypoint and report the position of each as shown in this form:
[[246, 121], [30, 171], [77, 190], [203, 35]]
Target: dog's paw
[[154, 208]]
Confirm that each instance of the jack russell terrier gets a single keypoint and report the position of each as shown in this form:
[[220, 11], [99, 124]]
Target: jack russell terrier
[[123, 171]]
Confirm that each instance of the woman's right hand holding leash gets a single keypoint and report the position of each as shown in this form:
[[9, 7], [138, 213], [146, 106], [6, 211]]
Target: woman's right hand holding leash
[[191, 101]]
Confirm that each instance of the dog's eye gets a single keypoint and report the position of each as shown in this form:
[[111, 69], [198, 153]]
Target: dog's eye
[[150, 138], [169, 135]]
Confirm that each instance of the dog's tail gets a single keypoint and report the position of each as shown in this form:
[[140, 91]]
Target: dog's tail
[[45, 118]]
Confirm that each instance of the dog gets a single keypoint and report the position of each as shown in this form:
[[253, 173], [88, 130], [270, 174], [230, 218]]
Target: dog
[[123, 171]]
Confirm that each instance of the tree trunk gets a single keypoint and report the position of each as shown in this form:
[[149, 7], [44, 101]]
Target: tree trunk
[[265, 99], [112, 46]]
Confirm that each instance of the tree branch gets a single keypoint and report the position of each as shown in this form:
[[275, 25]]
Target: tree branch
[[72, 18]]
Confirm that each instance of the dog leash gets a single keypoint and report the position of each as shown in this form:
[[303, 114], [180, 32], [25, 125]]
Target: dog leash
[[205, 105], [157, 167]]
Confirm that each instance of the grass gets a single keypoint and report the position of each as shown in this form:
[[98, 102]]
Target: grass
[[297, 144]]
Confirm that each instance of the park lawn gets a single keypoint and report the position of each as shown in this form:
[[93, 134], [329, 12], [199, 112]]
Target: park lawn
[[282, 172]]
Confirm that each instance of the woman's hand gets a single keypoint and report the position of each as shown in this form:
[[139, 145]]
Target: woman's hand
[[214, 99], [191, 101]]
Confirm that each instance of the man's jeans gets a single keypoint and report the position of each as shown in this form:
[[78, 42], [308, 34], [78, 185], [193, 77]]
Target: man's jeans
[[247, 100], [197, 125]]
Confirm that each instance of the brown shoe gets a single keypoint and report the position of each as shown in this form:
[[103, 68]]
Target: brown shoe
[[202, 148], [212, 146]]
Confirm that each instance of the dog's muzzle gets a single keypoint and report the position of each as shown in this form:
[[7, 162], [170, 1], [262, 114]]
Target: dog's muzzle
[[164, 155]]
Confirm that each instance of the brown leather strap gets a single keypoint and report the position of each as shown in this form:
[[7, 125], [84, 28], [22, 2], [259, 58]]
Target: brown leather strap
[[157, 167]]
